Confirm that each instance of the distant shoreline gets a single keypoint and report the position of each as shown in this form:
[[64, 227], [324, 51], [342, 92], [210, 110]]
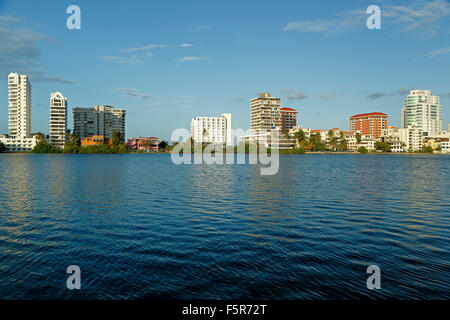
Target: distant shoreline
[[292, 154]]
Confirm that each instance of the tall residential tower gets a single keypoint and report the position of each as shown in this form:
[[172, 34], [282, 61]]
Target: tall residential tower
[[423, 111], [19, 120], [19, 115], [58, 119], [265, 113], [98, 121]]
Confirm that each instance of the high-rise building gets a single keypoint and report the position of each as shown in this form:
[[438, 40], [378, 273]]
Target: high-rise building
[[422, 110], [98, 121], [215, 130], [58, 119], [288, 119], [19, 118], [265, 114], [369, 124]]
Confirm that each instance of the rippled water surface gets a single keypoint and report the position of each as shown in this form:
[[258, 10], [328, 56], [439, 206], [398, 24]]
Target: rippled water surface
[[141, 227]]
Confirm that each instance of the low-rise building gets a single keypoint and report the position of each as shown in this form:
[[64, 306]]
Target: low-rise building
[[367, 143], [445, 147], [19, 144], [94, 140], [143, 144]]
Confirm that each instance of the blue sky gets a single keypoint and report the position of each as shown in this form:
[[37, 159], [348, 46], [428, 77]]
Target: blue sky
[[167, 61]]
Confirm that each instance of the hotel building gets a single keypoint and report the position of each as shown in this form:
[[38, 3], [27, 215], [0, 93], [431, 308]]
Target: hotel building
[[58, 119], [98, 121], [216, 130], [19, 115], [422, 110], [369, 124], [288, 119]]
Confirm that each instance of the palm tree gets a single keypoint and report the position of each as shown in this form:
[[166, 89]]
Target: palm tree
[[39, 136], [358, 137], [146, 144]]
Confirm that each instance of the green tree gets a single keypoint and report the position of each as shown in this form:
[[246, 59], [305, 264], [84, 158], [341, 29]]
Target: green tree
[[300, 139], [427, 149], [40, 136], [2, 147], [44, 147], [146, 144], [362, 150], [117, 138], [358, 137], [162, 145], [383, 146], [72, 145]]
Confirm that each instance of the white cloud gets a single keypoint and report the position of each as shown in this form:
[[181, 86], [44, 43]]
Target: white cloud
[[132, 93], [187, 59], [123, 60], [20, 51], [438, 52], [341, 22], [155, 46], [423, 17], [420, 18]]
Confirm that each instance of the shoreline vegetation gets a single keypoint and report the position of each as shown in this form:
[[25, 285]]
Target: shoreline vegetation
[[303, 145]]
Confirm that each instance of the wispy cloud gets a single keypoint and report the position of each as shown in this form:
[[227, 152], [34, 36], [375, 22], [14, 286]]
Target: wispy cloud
[[438, 52], [341, 22], [154, 46], [291, 94], [123, 60], [398, 92], [201, 28], [423, 17], [242, 38], [189, 59], [132, 93], [20, 51], [420, 18]]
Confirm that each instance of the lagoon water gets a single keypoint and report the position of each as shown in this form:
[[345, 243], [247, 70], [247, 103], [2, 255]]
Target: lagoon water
[[140, 227]]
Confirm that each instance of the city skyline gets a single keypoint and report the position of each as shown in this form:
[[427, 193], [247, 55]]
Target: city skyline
[[165, 74]]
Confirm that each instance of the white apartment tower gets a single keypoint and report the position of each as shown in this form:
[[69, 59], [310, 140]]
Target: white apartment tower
[[216, 130], [19, 120], [58, 119], [19, 115], [423, 111], [265, 114], [99, 120]]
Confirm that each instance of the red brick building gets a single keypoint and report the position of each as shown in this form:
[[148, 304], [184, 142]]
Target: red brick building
[[288, 119], [370, 124]]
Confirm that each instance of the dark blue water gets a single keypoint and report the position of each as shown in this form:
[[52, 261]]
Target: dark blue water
[[141, 227]]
